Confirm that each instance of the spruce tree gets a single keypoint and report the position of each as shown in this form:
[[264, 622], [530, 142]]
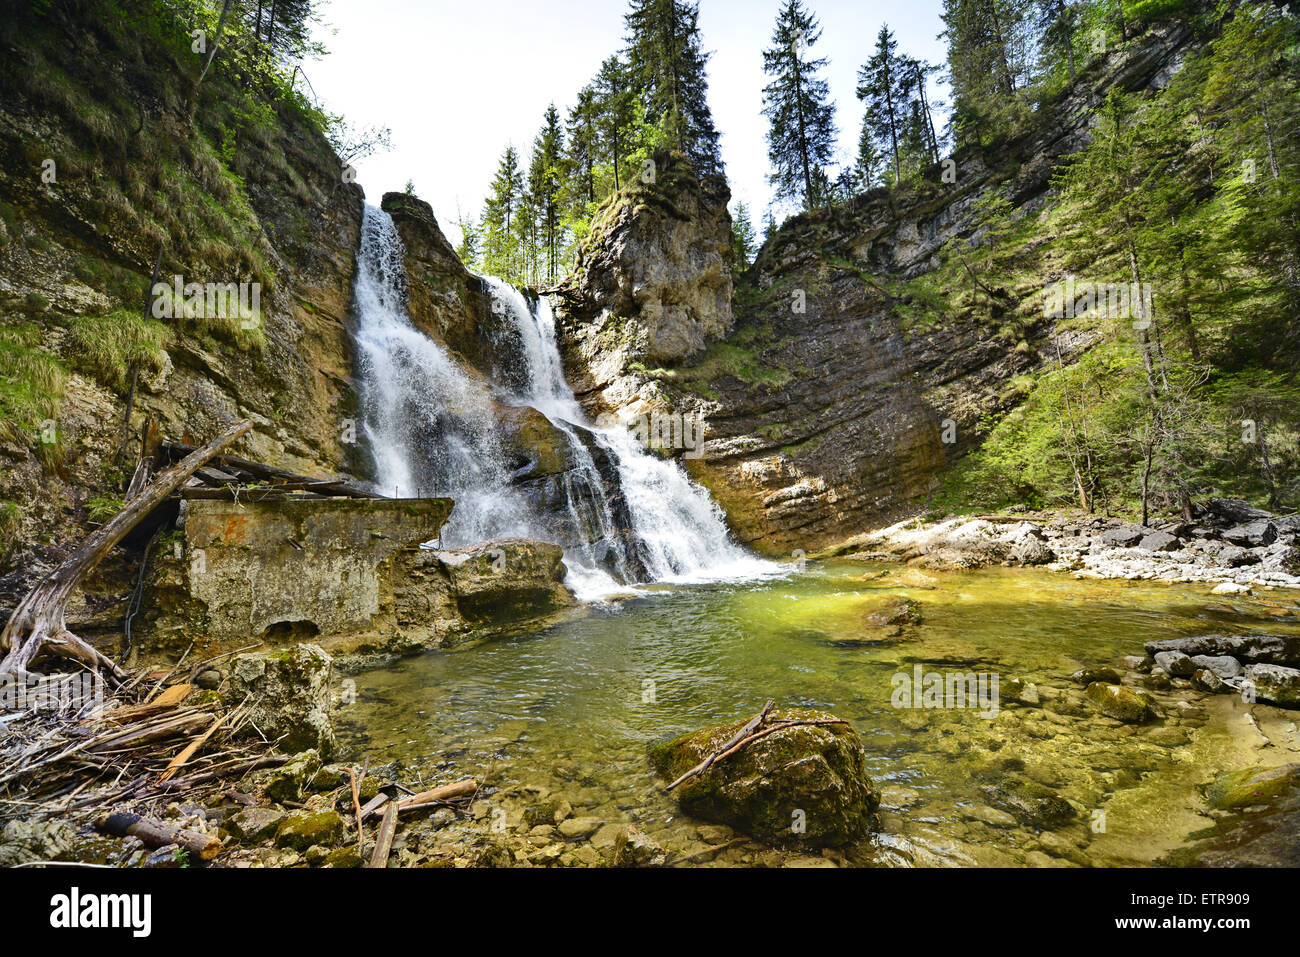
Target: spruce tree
[[880, 86], [802, 136], [500, 228], [742, 235], [667, 64], [544, 182]]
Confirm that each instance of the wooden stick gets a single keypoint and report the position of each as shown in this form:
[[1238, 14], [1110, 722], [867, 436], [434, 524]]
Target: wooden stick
[[384, 840], [373, 805], [192, 748], [157, 834], [738, 745], [750, 725], [444, 793]]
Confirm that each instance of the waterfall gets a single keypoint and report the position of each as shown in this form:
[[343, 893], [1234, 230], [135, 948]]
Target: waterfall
[[433, 427]]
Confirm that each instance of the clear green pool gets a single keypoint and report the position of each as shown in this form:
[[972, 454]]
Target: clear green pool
[[566, 712]]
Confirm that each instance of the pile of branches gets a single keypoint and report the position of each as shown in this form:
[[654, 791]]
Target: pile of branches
[[143, 745]]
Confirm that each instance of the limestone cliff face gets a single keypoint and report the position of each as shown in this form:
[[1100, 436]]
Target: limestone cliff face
[[653, 283], [100, 166], [826, 411]]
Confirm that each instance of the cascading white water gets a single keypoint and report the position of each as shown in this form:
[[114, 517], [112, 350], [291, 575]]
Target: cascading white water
[[432, 427]]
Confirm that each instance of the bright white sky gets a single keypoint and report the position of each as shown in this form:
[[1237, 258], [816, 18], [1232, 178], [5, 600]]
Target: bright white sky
[[456, 80]]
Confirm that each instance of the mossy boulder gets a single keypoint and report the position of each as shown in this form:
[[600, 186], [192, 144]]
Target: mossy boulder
[[1233, 790], [1121, 703], [308, 829], [289, 692], [1032, 804], [288, 781], [806, 784]]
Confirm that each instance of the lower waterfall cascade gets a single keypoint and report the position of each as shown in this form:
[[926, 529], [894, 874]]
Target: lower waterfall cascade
[[623, 515]]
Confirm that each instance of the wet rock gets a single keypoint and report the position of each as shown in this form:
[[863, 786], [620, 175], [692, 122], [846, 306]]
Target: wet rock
[[1019, 690], [254, 824], [209, 680], [307, 828], [1136, 663], [1230, 588], [290, 695], [1206, 680], [1032, 551], [1225, 666], [1123, 704], [989, 815], [1233, 790], [580, 827], [1275, 683], [1252, 649], [812, 776], [288, 781], [1087, 676], [1175, 664], [1032, 804], [632, 848]]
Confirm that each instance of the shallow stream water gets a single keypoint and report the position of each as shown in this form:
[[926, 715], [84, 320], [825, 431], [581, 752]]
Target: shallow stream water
[[566, 713]]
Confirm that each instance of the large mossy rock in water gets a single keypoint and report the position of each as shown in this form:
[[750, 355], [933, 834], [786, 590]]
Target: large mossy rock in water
[[819, 770], [1122, 703]]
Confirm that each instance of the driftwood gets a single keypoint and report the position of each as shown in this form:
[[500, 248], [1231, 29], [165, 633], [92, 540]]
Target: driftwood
[[740, 735], [37, 625], [445, 793], [228, 470], [157, 834], [751, 732], [384, 841]]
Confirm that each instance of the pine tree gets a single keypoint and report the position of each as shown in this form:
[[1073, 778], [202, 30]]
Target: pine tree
[[1057, 22], [667, 64], [742, 234], [544, 183], [880, 86], [501, 252], [802, 136], [987, 56], [617, 115]]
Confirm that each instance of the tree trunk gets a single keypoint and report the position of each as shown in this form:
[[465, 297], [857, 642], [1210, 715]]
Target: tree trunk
[[37, 627]]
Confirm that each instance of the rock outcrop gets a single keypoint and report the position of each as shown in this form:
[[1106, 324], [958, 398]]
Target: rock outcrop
[[828, 410], [653, 282], [289, 696]]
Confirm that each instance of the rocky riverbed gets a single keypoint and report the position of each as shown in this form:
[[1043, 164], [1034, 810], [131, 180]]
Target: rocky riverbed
[[1230, 544]]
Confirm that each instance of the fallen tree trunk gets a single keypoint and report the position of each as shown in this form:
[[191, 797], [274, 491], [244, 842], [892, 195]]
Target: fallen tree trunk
[[157, 834], [37, 626]]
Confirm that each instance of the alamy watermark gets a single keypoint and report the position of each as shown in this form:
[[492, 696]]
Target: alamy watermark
[[60, 693], [208, 300], [1069, 298], [662, 430], [977, 691]]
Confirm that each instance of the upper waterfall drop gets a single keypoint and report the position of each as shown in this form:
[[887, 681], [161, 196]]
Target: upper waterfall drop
[[434, 427]]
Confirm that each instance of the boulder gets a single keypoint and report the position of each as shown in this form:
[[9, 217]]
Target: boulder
[[1160, 542], [1206, 680], [1087, 676], [1254, 535], [1234, 511], [1123, 537], [634, 849], [254, 824], [1274, 683], [1123, 704], [289, 693], [1234, 790], [806, 784], [1230, 588], [1251, 649], [289, 780], [1032, 804], [1225, 666], [507, 580], [1175, 664], [309, 829]]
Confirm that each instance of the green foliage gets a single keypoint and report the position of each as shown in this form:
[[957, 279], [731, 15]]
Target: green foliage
[[110, 347], [32, 383], [102, 509]]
